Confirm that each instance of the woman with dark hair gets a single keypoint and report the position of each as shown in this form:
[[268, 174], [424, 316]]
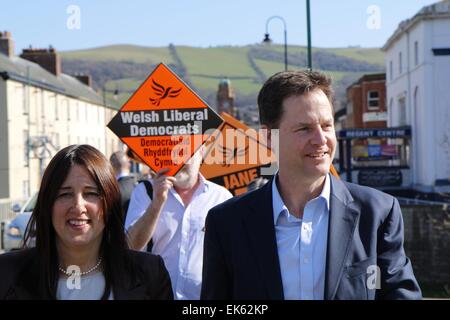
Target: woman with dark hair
[[81, 249]]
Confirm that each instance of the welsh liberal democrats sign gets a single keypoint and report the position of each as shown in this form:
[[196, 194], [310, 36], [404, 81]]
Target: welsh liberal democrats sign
[[164, 122]]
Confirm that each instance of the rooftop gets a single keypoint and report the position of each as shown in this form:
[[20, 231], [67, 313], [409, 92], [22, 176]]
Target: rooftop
[[16, 68], [438, 10]]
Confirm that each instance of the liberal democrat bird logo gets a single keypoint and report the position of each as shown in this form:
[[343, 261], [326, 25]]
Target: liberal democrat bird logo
[[232, 153], [163, 93]]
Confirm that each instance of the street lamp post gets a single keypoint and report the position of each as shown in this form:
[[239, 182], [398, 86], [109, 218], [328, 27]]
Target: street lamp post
[[268, 40], [308, 25]]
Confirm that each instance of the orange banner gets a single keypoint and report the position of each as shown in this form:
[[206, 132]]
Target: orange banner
[[164, 122]]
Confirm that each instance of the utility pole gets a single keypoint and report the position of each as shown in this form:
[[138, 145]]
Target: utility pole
[[308, 23]]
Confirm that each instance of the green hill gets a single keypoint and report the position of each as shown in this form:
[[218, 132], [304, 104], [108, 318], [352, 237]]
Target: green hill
[[124, 67]]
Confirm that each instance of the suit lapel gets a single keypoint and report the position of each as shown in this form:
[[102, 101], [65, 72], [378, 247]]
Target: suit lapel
[[129, 284], [261, 235], [29, 282], [344, 215]]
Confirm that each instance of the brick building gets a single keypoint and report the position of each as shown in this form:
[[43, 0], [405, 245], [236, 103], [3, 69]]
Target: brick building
[[366, 103]]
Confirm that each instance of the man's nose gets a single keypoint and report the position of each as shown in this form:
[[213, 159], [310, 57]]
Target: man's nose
[[319, 137]]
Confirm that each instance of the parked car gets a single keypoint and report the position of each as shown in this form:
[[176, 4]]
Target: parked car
[[15, 230]]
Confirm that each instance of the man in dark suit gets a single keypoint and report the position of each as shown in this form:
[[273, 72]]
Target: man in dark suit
[[305, 234], [127, 182]]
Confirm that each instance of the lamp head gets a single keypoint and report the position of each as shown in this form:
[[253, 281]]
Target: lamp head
[[267, 39]]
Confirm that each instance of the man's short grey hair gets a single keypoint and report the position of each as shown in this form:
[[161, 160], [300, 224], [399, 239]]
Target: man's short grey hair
[[118, 160]]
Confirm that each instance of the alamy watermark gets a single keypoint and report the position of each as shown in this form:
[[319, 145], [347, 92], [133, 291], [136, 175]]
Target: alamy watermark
[[74, 19], [374, 277], [73, 282], [374, 20]]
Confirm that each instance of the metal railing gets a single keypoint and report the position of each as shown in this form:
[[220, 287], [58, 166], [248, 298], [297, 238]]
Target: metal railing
[[2, 231], [418, 202]]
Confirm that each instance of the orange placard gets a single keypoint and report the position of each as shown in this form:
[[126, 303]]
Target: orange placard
[[334, 172], [235, 155], [164, 122]]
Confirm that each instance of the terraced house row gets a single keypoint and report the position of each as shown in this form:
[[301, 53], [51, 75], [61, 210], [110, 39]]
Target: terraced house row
[[42, 110]]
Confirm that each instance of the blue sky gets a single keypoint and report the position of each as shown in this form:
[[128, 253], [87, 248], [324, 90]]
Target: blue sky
[[201, 22]]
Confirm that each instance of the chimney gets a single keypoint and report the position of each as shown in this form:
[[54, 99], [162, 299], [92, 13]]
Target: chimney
[[6, 44], [84, 78], [48, 59]]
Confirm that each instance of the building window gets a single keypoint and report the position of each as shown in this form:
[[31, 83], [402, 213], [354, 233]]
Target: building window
[[66, 102], [34, 102], [416, 53], [82, 110], [57, 145], [349, 108], [42, 105], [25, 149], [391, 112], [19, 91], [77, 107], [391, 70], [400, 63], [373, 100], [55, 104], [402, 111], [94, 113], [43, 100]]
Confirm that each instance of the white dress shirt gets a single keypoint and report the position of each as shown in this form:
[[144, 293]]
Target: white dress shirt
[[179, 233], [302, 245]]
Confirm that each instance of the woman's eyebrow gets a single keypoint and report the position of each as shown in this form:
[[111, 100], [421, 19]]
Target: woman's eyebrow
[[87, 187]]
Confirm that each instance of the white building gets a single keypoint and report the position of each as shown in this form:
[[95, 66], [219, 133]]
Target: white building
[[418, 92], [41, 111]]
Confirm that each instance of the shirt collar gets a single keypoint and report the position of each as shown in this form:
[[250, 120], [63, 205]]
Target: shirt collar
[[326, 191], [121, 175], [202, 187], [279, 206], [204, 184], [277, 202]]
